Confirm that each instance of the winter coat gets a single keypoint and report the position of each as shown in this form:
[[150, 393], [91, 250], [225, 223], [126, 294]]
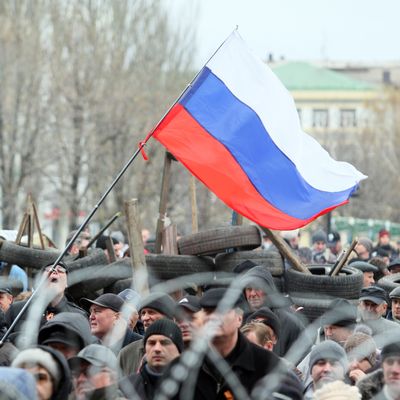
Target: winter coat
[[129, 337], [111, 392], [371, 385], [17, 384], [130, 357], [144, 384], [249, 362]]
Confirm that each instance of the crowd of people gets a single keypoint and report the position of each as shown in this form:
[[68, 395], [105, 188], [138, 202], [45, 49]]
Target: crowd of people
[[238, 338]]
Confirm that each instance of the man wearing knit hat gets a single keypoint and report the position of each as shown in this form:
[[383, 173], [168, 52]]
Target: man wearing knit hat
[[152, 308], [163, 343], [328, 363]]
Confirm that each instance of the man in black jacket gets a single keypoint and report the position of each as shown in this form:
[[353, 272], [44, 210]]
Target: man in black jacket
[[231, 367], [163, 343]]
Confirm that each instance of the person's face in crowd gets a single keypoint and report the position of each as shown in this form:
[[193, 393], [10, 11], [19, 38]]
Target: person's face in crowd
[[319, 246], [255, 297], [5, 301], [44, 382], [338, 334], [187, 324], [57, 279], [148, 316], [370, 311], [384, 240], [226, 325], [363, 253], [368, 279], [391, 374], [160, 351], [101, 320], [396, 308], [87, 378], [324, 371], [358, 368], [67, 351], [252, 337]]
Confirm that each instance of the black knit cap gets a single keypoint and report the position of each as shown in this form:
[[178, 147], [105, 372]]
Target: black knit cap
[[167, 328], [390, 350], [161, 302]]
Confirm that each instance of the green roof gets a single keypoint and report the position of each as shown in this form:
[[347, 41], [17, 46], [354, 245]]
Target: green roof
[[304, 76]]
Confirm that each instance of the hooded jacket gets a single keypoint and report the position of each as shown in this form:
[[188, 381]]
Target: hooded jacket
[[70, 321], [371, 385], [261, 277]]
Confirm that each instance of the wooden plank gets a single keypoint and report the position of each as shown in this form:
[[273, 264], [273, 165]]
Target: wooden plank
[[169, 243], [163, 201], [138, 259]]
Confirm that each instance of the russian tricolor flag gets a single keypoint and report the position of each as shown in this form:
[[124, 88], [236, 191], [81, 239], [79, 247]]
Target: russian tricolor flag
[[236, 129]]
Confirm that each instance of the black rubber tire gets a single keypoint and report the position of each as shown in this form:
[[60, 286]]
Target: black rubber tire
[[169, 267], [389, 282], [346, 285], [95, 257], [271, 260], [160, 266], [214, 241], [26, 257]]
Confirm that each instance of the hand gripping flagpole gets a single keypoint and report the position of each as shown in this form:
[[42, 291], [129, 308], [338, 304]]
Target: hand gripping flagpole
[[140, 149]]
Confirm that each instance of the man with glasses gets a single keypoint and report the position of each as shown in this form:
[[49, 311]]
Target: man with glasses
[[51, 299], [94, 374]]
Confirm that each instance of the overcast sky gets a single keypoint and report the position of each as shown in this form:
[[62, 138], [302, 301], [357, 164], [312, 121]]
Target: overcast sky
[[354, 30]]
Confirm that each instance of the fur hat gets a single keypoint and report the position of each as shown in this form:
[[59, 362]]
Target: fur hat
[[319, 236], [337, 390], [40, 357], [359, 346]]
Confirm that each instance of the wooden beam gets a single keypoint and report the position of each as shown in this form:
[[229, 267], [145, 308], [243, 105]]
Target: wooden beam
[[138, 259], [163, 201]]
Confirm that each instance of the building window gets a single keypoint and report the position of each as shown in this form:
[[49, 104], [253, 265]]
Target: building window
[[348, 118], [320, 118]]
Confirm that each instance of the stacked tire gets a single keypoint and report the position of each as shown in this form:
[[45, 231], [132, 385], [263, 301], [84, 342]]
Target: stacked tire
[[314, 292]]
